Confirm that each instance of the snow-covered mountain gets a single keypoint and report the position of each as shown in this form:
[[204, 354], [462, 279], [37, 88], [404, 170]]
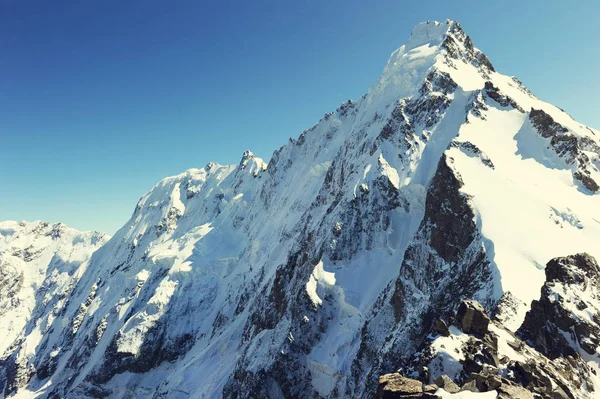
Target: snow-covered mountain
[[314, 273], [40, 264]]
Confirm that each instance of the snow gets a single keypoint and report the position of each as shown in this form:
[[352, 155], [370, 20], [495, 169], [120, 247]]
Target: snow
[[523, 192], [319, 277], [504, 348], [408, 65], [202, 249], [133, 332], [466, 394], [323, 377], [465, 75], [427, 33], [448, 354], [57, 251], [389, 172]]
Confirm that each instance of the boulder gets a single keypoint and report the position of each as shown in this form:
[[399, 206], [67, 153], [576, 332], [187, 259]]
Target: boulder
[[394, 385], [470, 386], [485, 382], [512, 391], [446, 382], [472, 318], [442, 328], [430, 389]]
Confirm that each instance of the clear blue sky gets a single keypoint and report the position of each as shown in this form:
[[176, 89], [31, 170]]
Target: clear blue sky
[[101, 99]]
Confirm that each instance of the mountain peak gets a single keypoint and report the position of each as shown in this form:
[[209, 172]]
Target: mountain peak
[[432, 44], [246, 156], [433, 32]]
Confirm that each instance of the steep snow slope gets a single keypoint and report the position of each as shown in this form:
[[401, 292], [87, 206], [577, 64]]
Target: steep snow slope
[[39, 264], [313, 274]]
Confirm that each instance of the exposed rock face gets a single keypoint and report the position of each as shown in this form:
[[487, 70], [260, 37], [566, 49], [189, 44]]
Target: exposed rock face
[[447, 236], [566, 319], [446, 382], [511, 391], [442, 328], [579, 152], [472, 318], [494, 358], [472, 150], [447, 239], [395, 386], [392, 386], [485, 381], [494, 93]]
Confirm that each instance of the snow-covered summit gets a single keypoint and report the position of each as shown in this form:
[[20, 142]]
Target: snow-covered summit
[[316, 272], [431, 32], [432, 46]]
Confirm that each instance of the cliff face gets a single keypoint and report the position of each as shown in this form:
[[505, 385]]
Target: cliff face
[[314, 273]]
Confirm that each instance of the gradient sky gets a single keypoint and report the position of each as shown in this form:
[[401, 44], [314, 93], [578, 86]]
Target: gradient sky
[[101, 99]]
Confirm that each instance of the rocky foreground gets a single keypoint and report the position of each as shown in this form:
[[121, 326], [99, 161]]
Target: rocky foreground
[[544, 359]]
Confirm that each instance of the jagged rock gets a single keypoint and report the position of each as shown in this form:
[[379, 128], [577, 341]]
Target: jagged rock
[[472, 318], [572, 269], [485, 382], [568, 280], [446, 382], [438, 81], [447, 236], [472, 150], [478, 353], [517, 345], [470, 386], [511, 391], [545, 124], [441, 328], [528, 374], [567, 146], [392, 386], [430, 389], [534, 377], [502, 99], [586, 180]]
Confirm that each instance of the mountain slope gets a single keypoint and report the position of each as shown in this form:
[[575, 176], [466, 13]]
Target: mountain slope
[[313, 274], [40, 264]]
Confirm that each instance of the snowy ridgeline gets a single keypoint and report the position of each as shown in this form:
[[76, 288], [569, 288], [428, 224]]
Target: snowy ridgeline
[[37, 262], [316, 273]]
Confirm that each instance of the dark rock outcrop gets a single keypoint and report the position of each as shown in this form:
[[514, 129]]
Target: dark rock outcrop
[[473, 151], [472, 318], [392, 386], [513, 391], [494, 93], [567, 146], [556, 371], [446, 382], [447, 236], [564, 307], [442, 328]]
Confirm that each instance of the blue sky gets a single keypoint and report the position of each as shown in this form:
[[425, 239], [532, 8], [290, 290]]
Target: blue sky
[[100, 100]]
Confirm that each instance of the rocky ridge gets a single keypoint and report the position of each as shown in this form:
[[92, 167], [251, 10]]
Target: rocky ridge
[[545, 358]]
